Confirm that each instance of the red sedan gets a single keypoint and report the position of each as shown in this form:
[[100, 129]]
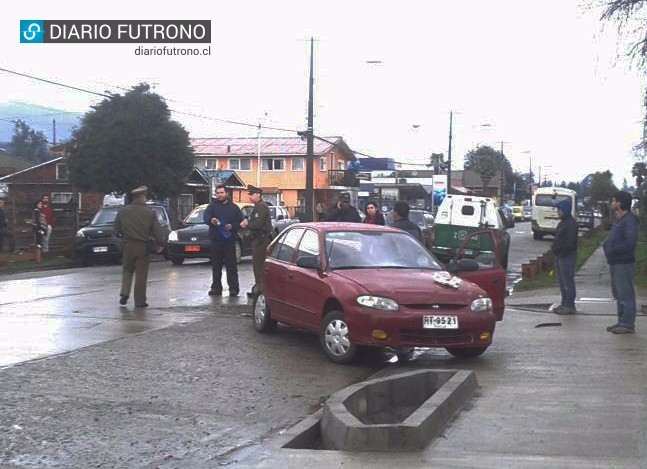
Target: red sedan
[[369, 285]]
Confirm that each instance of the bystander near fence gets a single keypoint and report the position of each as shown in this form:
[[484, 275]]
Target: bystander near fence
[[68, 220]]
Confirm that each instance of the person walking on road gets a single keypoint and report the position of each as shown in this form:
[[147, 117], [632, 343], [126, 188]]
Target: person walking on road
[[49, 216], [619, 249], [260, 229], [224, 219], [373, 215], [137, 224], [564, 249], [5, 232], [401, 220], [343, 210]]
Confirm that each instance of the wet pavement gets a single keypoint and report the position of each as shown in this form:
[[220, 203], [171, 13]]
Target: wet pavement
[[61, 310], [200, 388]]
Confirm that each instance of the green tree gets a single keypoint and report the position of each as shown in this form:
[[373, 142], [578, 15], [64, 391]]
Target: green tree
[[485, 161], [629, 16], [602, 187], [129, 140], [29, 144], [639, 171]]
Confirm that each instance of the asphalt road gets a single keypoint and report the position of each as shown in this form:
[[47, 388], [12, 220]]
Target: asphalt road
[[50, 312]]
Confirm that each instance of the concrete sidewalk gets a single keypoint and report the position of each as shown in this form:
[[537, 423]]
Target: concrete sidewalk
[[556, 392], [593, 290]]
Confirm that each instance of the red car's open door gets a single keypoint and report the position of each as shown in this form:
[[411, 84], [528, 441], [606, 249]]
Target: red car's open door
[[487, 271]]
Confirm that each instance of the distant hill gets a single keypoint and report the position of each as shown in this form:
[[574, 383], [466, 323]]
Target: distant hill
[[39, 118]]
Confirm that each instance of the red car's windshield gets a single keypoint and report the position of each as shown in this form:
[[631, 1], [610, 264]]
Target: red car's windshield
[[370, 249]]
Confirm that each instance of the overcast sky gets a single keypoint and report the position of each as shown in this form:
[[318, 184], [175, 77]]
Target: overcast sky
[[544, 77]]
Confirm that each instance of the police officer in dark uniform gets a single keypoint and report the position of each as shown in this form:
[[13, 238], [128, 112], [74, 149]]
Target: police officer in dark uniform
[[137, 224], [260, 229]]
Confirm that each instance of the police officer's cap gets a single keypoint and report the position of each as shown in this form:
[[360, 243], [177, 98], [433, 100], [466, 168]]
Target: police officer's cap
[[254, 190], [139, 190]]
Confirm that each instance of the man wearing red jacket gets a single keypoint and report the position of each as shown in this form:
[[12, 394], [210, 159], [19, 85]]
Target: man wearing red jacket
[[48, 211]]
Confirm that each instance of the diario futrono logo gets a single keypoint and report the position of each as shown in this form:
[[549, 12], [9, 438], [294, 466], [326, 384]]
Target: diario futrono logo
[[31, 31], [115, 31]]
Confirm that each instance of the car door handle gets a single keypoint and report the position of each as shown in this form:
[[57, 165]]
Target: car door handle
[[290, 277]]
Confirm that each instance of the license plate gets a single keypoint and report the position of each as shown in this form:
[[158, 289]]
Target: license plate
[[100, 249], [192, 248], [440, 322]]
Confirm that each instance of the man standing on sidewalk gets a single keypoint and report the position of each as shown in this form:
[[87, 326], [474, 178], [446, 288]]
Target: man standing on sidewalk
[[565, 250], [619, 250]]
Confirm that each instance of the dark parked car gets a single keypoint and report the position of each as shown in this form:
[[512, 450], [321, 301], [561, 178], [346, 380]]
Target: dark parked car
[[369, 285], [422, 218], [191, 240], [97, 241], [585, 219]]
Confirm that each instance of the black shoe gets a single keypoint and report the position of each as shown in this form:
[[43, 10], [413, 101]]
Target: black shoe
[[213, 292], [250, 294], [234, 293], [143, 305], [123, 299]]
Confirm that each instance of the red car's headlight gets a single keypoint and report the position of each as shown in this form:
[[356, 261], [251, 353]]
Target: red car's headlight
[[378, 302]]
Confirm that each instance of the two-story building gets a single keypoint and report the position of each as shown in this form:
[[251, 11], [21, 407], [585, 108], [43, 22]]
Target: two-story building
[[278, 166]]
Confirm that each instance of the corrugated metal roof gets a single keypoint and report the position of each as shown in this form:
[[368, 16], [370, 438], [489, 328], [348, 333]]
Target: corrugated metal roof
[[249, 146]]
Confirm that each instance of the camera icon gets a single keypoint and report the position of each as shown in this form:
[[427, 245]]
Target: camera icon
[[31, 31]]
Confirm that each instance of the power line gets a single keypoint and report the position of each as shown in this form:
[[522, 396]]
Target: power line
[[76, 88], [227, 121], [53, 82]]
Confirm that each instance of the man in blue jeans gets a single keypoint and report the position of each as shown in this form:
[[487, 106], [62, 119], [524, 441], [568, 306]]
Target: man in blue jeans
[[565, 250], [619, 250]]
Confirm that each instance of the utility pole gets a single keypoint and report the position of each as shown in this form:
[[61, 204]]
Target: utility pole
[[530, 180], [53, 131], [309, 206], [449, 155], [502, 178]]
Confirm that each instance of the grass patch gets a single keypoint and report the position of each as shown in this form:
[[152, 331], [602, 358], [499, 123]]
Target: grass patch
[[640, 279], [28, 264], [585, 247]]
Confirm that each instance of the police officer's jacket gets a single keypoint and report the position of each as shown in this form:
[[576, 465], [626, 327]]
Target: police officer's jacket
[[260, 221], [137, 222]]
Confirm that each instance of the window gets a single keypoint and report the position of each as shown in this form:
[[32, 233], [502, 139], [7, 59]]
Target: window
[[467, 210], [240, 164], [63, 198], [272, 164], [289, 244], [322, 163], [184, 204], [340, 165], [297, 164], [211, 163], [309, 245], [61, 172]]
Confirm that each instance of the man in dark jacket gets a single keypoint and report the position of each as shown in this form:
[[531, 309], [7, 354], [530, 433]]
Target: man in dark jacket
[[401, 220], [224, 219], [619, 248], [5, 232], [343, 210], [565, 250]]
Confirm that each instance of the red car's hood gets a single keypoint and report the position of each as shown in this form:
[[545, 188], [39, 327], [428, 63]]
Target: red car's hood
[[410, 286]]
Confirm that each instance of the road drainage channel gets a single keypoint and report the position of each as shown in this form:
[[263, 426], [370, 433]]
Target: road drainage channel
[[402, 412]]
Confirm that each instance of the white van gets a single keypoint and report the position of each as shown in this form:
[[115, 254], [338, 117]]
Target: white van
[[544, 212]]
